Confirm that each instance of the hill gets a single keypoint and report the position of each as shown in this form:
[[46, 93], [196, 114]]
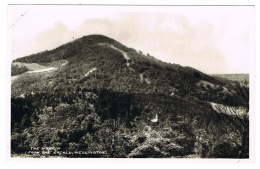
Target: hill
[[102, 95], [124, 69]]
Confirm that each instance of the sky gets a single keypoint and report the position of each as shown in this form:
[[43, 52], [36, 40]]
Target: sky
[[212, 39]]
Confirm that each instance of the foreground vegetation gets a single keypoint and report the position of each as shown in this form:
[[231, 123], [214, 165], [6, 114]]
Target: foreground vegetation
[[119, 125]]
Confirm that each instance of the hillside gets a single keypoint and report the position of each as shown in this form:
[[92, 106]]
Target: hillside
[[233, 77], [124, 69], [95, 94]]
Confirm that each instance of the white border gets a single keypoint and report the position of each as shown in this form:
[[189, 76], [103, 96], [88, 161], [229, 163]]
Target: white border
[[6, 162]]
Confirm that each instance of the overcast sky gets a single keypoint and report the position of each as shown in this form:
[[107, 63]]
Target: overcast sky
[[213, 39]]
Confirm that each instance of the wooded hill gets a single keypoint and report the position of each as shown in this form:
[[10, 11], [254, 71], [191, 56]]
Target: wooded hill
[[103, 96]]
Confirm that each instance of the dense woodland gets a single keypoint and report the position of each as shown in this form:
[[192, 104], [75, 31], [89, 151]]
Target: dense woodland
[[110, 109]]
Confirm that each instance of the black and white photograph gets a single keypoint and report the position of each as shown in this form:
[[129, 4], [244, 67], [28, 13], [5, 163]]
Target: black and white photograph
[[122, 81]]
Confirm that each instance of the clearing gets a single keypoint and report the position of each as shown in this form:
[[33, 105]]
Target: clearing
[[42, 70], [30, 66]]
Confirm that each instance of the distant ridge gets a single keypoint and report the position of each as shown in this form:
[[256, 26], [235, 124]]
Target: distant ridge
[[232, 77]]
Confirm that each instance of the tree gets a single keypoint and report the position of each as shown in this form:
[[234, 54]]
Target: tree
[[16, 69], [238, 117]]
